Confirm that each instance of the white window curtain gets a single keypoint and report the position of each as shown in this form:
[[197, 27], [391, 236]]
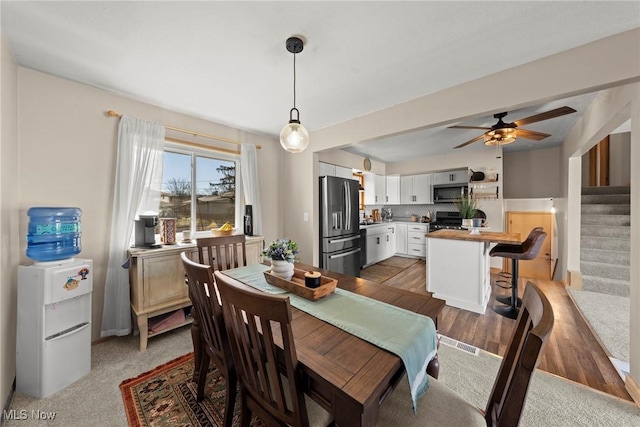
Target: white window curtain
[[250, 184], [137, 188]]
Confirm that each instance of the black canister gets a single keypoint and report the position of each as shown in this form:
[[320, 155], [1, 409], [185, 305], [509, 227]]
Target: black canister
[[248, 220], [312, 279]]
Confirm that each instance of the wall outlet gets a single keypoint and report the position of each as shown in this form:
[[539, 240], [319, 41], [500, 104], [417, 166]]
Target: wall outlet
[[306, 216]]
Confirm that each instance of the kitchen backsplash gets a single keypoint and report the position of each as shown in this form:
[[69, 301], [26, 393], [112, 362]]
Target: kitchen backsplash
[[403, 212]]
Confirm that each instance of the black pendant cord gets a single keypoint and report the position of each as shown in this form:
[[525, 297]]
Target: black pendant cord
[[294, 81]]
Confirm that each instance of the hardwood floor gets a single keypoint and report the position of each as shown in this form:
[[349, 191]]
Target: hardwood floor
[[572, 351]]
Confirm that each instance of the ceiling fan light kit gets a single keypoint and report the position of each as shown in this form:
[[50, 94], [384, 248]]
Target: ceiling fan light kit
[[294, 137], [505, 133]]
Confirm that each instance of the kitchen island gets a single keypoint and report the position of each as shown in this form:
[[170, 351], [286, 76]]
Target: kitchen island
[[458, 266]]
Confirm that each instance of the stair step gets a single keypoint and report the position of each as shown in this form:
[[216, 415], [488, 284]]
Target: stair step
[[607, 190], [606, 243], [606, 209], [599, 219], [605, 286], [606, 199], [604, 270], [607, 231], [610, 257]]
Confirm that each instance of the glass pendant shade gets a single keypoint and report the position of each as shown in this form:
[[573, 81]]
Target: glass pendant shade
[[294, 137]]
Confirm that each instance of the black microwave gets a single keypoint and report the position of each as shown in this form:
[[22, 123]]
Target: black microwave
[[448, 193]]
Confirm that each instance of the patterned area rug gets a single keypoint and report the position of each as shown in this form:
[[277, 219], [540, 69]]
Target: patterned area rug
[[166, 396]]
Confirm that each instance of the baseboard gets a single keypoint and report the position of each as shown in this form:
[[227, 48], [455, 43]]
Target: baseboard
[[574, 280], [632, 387]]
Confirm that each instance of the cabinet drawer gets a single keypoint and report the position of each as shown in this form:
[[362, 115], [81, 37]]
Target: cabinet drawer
[[417, 249], [418, 228], [416, 237]]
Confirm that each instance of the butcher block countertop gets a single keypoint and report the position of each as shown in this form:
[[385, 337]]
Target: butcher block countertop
[[484, 236]]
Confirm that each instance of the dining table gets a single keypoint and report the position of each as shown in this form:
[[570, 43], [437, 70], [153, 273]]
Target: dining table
[[348, 376]]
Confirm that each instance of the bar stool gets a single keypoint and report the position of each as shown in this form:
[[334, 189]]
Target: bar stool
[[506, 278], [526, 250]]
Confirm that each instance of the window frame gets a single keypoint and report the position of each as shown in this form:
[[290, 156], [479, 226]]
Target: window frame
[[177, 148]]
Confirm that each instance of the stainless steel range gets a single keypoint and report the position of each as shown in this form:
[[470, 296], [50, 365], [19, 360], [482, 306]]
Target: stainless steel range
[[446, 220]]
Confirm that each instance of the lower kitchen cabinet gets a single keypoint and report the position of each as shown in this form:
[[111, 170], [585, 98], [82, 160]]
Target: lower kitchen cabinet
[[381, 242], [159, 294], [411, 239]]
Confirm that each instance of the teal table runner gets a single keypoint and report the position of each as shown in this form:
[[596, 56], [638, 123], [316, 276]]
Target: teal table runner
[[411, 336]]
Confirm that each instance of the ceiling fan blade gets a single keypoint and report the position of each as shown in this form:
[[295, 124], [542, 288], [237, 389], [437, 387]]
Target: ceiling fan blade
[[545, 116], [467, 127], [531, 134], [464, 144]]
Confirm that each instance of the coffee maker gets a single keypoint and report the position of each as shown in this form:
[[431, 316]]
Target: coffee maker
[[144, 232], [248, 220]]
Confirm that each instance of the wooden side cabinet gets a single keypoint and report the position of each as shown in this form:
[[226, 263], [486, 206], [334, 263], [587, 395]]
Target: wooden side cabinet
[[158, 285]]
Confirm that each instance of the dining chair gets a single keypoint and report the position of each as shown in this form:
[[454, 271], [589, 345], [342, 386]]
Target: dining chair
[[221, 253], [267, 363], [213, 339], [441, 406]]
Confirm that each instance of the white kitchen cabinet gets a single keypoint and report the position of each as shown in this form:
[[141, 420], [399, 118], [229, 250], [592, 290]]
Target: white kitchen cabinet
[[415, 189], [417, 240], [343, 172], [327, 169], [376, 244], [374, 189], [390, 241], [392, 189], [457, 176], [401, 239]]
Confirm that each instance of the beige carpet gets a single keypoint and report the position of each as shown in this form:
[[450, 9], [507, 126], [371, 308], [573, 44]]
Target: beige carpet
[[552, 401]]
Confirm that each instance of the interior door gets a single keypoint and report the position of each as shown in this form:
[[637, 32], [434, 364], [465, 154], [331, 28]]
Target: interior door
[[523, 222]]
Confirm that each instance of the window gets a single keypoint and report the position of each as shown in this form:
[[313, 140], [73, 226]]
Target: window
[[199, 188]]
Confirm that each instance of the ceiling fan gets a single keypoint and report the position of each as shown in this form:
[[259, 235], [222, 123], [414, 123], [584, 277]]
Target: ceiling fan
[[505, 133]]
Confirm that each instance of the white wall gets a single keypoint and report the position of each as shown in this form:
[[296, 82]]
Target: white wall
[[67, 155], [619, 159], [9, 179], [532, 174]]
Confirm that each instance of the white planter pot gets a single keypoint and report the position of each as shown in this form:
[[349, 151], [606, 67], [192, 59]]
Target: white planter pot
[[282, 269], [467, 222]]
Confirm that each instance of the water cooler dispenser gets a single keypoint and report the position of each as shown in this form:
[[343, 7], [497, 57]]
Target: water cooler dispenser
[[53, 347]]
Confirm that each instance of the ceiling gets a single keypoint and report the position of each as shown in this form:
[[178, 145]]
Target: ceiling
[[226, 61]]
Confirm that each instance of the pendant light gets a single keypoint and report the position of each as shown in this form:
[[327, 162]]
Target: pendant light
[[294, 137]]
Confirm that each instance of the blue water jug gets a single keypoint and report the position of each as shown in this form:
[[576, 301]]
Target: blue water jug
[[54, 233]]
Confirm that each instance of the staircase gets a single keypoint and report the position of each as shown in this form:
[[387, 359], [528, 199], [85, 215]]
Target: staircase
[[605, 240]]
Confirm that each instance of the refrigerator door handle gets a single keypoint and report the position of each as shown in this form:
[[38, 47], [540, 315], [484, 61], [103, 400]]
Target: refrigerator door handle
[[346, 239], [344, 254], [347, 203]]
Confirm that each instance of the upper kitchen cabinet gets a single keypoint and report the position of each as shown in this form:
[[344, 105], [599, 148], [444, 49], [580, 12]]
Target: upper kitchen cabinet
[[374, 189], [327, 169], [458, 176], [393, 189], [416, 189]]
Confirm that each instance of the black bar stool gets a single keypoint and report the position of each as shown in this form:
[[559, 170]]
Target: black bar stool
[[526, 250]]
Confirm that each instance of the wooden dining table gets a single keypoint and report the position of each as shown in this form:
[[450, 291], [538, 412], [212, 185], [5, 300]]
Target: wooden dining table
[[348, 376]]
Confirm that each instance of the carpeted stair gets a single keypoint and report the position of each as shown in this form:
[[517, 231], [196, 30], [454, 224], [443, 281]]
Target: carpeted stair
[[605, 240]]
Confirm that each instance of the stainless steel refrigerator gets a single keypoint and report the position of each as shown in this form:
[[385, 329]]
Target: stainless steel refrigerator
[[339, 225]]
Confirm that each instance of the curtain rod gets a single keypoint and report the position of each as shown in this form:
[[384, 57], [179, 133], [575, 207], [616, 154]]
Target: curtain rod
[[111, 113]]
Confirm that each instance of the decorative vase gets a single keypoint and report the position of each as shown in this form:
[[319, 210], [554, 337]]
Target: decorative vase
[[282, 268], [467, 222]]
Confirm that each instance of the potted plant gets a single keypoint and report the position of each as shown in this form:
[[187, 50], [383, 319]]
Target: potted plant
[[468, 206], [283, 253]]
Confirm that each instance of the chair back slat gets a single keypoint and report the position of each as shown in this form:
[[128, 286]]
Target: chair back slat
[[533, 328], [208, 309], [269, 374], [223, 252]]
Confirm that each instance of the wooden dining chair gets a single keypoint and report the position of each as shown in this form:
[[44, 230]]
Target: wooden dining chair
[[214, 342], [221, 253], [266, 362], [441, 406]]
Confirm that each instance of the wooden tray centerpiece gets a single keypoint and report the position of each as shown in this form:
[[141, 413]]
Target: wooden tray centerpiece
[[297, 284]]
